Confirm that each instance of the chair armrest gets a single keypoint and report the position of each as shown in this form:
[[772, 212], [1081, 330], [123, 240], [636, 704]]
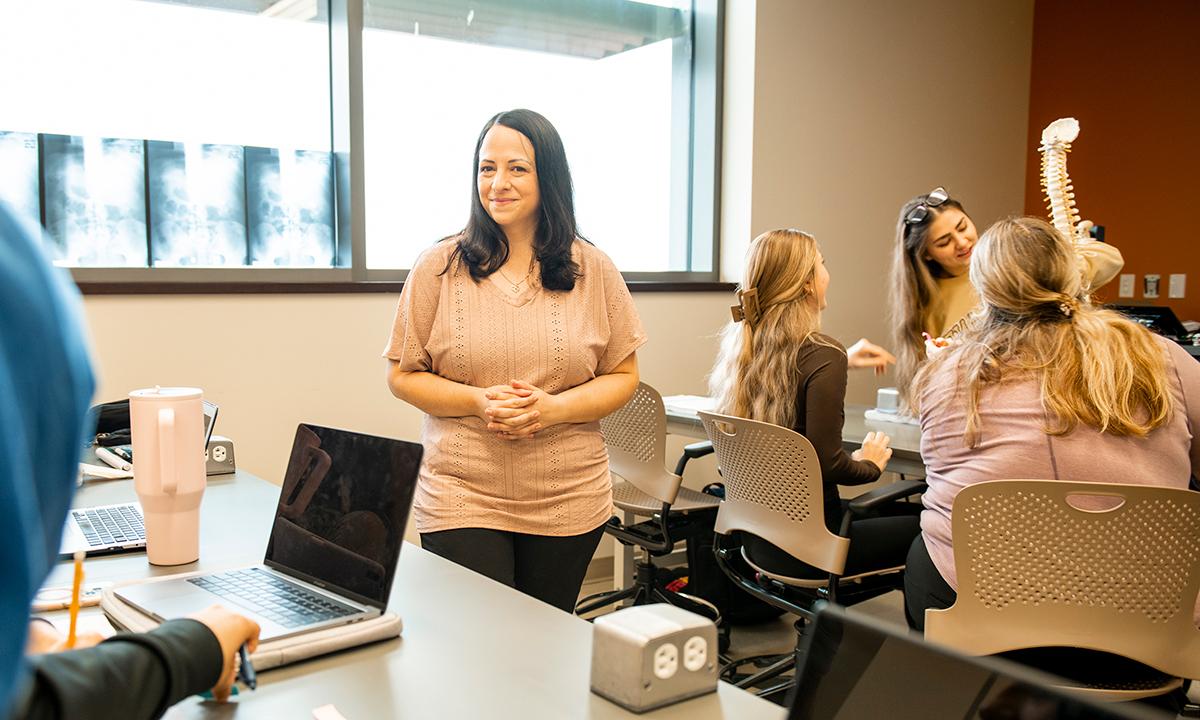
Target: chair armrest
[[881, 496], [691, 452]]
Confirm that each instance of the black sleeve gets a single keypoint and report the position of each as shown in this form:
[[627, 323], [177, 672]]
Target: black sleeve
[[825, 413], [129, 676]]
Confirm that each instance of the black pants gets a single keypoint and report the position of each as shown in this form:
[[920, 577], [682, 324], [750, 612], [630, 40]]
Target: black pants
[[924, 586], [550, 569]]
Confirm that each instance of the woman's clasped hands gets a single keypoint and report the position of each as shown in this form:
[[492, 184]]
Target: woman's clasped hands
[[518, 410]]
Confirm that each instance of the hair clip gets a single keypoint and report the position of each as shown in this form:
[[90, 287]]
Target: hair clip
[[747, 307]]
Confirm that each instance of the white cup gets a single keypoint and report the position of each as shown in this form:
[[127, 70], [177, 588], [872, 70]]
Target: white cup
[[168, 470]]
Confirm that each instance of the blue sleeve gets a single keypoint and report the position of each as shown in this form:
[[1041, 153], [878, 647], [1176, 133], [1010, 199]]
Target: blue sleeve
[[46, 384]]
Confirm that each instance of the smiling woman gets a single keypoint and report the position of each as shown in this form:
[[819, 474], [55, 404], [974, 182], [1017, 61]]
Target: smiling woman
[[515, 337], [931, 289]]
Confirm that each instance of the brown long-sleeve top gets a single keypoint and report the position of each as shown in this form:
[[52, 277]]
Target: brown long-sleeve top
[[820, 414]]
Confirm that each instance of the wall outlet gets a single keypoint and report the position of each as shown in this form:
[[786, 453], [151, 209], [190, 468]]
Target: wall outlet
[[1150, 285], [666, 661], [1175, 285], [1126, 287]]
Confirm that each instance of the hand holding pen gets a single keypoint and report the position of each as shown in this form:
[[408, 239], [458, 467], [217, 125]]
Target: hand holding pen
[[238, 637]]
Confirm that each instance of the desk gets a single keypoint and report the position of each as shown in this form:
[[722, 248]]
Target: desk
[[906, 438], [471, 648]]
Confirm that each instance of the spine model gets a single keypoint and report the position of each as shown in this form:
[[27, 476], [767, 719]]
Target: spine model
[[1060, 198]]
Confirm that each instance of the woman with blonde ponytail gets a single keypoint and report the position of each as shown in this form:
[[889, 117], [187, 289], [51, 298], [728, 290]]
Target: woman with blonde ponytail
[[775, 366], [1043, 385]]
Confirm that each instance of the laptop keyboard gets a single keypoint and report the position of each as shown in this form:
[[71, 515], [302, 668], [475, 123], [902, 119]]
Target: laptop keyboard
[[110, 525], [274, 598]]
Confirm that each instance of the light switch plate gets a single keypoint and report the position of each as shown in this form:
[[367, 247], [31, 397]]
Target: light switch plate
[[1126, 287], [1175, 285]]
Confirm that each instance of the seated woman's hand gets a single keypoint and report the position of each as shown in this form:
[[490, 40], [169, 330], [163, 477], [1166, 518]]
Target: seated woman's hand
[[866, 354], [232, 631], [45, 638], [875, 450]]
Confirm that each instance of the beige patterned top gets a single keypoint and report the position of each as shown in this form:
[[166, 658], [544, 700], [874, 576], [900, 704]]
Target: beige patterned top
[[482, 334]]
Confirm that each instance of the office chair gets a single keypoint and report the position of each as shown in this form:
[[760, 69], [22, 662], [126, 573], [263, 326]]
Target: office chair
[[636, 436], [1039, 566], [773, 491]]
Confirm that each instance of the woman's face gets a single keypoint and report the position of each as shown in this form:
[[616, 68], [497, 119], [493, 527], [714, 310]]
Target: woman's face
[[952, 237], [507, 179], [820, 282]]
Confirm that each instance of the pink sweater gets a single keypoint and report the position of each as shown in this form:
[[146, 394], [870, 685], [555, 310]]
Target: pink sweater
[[1013, 445], [482, 334]]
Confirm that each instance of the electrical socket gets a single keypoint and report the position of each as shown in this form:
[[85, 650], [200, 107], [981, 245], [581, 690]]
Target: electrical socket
[[1150, 285], [1175, 285], [666, 661], [1126, 286], [695, 653]]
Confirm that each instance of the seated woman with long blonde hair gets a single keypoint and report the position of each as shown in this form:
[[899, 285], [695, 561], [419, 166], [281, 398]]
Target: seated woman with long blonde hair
[[1045, 385], [775, 366]]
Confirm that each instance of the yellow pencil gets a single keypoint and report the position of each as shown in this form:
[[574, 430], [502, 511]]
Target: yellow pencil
[[75, 586]]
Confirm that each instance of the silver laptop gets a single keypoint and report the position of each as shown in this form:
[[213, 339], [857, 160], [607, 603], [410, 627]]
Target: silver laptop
[[334, 544], [109, 529]]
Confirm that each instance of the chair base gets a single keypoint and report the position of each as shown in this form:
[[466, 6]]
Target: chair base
[[776, 674], [645, 590]]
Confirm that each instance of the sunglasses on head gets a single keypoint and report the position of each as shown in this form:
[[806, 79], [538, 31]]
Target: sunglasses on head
[[920, 213]]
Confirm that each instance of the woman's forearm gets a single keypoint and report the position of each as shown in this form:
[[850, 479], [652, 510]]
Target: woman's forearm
[[598, 397], [435, 395]]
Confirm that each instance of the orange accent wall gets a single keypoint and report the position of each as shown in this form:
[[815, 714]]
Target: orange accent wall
[[1130, 73]]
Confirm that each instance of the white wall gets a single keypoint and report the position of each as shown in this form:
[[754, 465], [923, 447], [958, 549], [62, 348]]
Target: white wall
[[857, 106], [837, 113]]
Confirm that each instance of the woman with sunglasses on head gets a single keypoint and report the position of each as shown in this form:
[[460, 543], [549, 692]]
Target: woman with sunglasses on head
[[931, 293], [1044, 385], [776, 366], [515, 337]]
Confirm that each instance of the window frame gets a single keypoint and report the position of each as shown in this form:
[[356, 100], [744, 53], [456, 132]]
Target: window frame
[[702, 127]]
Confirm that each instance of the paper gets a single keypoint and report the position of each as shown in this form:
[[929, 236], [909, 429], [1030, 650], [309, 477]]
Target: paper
[[688, 403], [327, 712]]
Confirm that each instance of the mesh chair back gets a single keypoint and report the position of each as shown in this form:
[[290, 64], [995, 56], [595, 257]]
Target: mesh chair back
[[773, 489], [1039, 565], [636, 436]]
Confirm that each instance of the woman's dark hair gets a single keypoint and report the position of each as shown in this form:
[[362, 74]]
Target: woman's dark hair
[[482, 244]]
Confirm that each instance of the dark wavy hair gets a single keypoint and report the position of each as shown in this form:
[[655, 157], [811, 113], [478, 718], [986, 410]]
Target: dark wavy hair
[[482, 245]]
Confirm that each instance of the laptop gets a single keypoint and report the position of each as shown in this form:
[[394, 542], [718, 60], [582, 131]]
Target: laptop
[[859, 667], [111, 529], [332, 554], [1156, 318]]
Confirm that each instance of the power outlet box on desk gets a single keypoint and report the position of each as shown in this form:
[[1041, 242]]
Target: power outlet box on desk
[[218, 459]]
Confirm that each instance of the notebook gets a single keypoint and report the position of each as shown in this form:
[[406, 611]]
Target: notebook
[[334, 543], [109, 529], [858, 667]]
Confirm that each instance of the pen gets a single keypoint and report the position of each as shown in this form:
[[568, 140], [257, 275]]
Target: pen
[[113, 459], [75, 585], [245, 670]]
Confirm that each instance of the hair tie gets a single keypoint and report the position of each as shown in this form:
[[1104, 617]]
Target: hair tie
[[1068, 307], [747, 307]]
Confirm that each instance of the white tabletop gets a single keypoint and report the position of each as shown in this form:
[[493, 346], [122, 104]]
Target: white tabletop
[[471, 647]]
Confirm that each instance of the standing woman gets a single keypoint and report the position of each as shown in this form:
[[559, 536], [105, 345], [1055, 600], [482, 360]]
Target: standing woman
[[776, 366], [515, 337], [931, 291]]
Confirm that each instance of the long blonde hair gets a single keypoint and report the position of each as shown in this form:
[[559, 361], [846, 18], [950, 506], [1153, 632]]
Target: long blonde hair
[[1094, 366], [756, 375], [917, 304]]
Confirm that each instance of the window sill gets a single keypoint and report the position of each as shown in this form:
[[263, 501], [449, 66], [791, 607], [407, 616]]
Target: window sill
[[344, 287]]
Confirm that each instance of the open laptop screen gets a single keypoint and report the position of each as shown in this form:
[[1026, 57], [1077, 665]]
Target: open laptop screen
[[342, 511], [857, 667]]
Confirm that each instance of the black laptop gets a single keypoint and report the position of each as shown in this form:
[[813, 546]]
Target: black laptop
[[858, 667], [332, 554]]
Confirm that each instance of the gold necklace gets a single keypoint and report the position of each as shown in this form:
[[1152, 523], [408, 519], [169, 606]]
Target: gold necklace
[[516, 286]]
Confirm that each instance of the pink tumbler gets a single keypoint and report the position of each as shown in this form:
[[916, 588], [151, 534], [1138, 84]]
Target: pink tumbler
[[168, 470]]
